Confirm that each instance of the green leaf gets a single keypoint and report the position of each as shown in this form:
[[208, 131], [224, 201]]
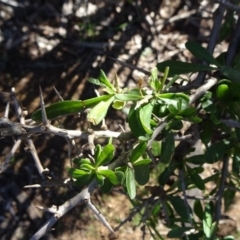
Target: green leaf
[[174, 124], [154, 81], [128, 97], [221, 58], [179, 206], [142, 162], [99, 112], [228, 196], [215, 118], [194, 119], [145, 115], [154, 74], [80, 161], [97, 152], [130, 183], [208, 219], [105, 156], [213, 230], [83, 180], [96, 82], [229, 238], [198, 209], [120, 176], [166, 172], [178, 232], [104, 80], [206, 133], [138, 151], [172, 109], [236, 62], [142, 174], [134, 122], [156, 148], [201, 53], [86, 166], [231, 73], [195, 178], [177, 67], [76, 173], [110, 175], [236, 161], [216, 151], [208, 106], [188, 112], [174, 96], [171, 82], [214, 178], [196, 159], [107, 186], [99, 179], [199, 169], [59, 109], [118, 104], [168, 148]]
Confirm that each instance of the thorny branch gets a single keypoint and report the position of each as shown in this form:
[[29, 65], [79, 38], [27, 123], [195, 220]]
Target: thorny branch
[[26, 130], [22, 130]]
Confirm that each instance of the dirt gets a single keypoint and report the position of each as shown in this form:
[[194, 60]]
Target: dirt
[[62, 44]]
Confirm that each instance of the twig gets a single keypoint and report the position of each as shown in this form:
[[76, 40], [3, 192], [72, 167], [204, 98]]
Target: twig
[[18, 109], [130, 217], [233, 188], [213, 39], [181, 16], [228, 5], [4, 165], [63, 209], [36, 158], [52, 183], [13, 4], [82, 197], [185, 196], [202, 90], [44, 114], [15, 129], [58, 94], [215, 31], [231, 123], [201, 198], [156, 132], [99, 216], [234, 44], [221, 188], [6, 112]]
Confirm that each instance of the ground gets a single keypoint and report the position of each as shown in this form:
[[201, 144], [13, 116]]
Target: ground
[[62, 44]]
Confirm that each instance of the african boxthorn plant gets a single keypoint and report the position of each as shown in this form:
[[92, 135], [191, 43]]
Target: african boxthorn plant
[[165, 118]]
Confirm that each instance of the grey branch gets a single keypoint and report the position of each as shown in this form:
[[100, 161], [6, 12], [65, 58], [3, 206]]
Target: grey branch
[[219, 195], [203, 89], [4, 165], [228, 5]]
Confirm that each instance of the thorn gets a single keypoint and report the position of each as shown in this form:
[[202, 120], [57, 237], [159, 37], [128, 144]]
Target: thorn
[[44, 114], [6, 113], [58, 94]]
